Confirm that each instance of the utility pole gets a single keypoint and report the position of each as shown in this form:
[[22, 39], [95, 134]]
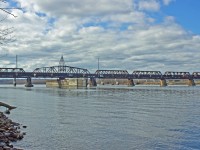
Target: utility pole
[[15, 80], [16, 61], [98, 63]]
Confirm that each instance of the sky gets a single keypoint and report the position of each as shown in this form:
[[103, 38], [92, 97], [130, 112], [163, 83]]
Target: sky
[[146, 35]]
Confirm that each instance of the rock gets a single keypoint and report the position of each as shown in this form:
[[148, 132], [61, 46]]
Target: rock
[[7, 112], [24, 126], [24, 133], [6, 148], [9, 132]]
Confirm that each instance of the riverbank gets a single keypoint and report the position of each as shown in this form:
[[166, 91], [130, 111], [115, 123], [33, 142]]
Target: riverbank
[[9, 133]]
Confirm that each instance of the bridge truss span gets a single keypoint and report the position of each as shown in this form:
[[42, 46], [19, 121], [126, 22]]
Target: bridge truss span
[[147, 74], [112, 73], [196, 75], [12, 70], [177, 75], [61, 69], [60, 72]]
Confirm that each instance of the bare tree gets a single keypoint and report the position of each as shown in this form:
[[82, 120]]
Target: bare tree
[[7, 8], [6, 35], [6, 32]]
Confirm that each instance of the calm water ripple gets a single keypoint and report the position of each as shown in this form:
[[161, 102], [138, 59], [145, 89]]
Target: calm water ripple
[[107, 118]]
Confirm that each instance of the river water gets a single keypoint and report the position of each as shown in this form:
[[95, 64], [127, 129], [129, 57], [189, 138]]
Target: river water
[[106, 118]]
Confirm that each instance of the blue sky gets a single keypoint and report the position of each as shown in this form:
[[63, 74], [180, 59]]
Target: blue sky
[[130, 34], [186, 13]]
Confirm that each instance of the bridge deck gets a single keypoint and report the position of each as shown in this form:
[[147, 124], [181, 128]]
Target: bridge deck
[[74, 72]]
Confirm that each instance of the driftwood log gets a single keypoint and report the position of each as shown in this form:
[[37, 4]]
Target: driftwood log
[[7, 106]]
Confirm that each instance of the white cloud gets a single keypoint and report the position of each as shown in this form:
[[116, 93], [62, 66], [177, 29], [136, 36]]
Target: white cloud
[[77, 8], [133, 17], [120, 34], [167, 2], [149, 5]]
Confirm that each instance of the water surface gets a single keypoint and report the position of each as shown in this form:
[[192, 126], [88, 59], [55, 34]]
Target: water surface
[[106, 118]]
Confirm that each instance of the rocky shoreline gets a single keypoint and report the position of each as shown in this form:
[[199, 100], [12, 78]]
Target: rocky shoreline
[[9, 133]]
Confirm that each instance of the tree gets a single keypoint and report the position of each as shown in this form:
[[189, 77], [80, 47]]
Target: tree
[[5, 32], [6, 9]]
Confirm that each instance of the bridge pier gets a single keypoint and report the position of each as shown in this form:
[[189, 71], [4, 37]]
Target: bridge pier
[[28, 82], [92, 82], [102, 83], [68, 83], [163, 82], [14, 82], [73, 83], [59, 81], [130, 82], [191, 82]]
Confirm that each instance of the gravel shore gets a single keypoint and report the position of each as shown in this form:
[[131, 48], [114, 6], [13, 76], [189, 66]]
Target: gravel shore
[[9, 133]]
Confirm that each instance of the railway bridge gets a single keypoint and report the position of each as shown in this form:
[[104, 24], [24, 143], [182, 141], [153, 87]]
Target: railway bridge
[[62, 72]]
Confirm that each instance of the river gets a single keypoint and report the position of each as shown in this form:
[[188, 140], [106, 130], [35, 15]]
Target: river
[[106, 118]]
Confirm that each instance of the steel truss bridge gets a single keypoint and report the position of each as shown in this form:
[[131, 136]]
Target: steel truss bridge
[[62, 72]]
